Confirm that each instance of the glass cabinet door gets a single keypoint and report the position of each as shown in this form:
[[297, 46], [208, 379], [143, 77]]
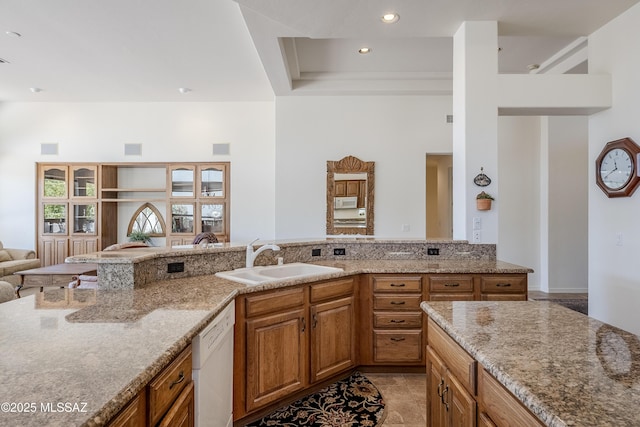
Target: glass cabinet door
[[212, 218], [83, 181], [212, 181], [182, 180], [54, 218], [84, 218], [182, 217], [54, 182]]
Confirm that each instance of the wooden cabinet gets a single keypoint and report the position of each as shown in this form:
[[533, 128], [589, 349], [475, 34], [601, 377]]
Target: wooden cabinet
[[460, 394], [333, 326], [395, 321], [78, 205], [168, 400], [352, 188], [504, 287], [168, 385], [132, 415], [450, 382], [449, 287], [289, 339], [498, 407]]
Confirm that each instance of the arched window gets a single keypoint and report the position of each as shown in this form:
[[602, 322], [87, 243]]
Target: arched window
[[147, 220]]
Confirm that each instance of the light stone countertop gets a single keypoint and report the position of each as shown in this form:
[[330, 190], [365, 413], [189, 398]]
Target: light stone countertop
[[567, 368], [100, 347]]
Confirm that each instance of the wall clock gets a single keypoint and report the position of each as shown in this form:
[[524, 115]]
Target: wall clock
[[616, 168]]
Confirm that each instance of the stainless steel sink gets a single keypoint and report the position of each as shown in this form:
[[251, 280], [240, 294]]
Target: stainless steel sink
[[275, 273]]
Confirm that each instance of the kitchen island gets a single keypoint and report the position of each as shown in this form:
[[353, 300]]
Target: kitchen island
[[567, 369], [96, 349]]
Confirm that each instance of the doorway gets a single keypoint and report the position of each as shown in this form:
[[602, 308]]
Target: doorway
[[439, 196]]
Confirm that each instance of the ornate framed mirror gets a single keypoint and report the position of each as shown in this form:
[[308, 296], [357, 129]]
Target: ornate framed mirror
[[350, 188]]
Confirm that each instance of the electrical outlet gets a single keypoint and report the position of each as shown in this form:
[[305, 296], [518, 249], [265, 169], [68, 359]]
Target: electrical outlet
[[316, 252], [433, 251], [477, 236], [339, 251], [175, 267]]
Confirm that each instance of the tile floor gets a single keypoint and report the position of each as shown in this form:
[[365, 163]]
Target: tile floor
[[405, 397]]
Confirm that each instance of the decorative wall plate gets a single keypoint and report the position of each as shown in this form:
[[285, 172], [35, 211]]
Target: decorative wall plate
[[481, 180]]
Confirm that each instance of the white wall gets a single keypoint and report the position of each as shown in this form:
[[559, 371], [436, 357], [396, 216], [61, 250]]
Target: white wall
[[394, 132], [567, 195], [519, 193], [169, 132], [614, 271]]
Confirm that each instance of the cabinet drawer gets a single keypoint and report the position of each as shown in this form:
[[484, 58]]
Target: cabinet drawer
[[272, 302], [500, 405], [331, 290], [442, 284], [165, 388], [459, 362], [397, 284], [397, 346], [503, 297], [499, 284], [396, 302], [454, 296], [397, 320]]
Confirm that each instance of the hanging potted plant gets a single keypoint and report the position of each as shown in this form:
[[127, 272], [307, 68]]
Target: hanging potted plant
[[483, 201]]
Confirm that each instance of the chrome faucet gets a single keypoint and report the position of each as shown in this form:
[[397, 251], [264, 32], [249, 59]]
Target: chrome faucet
[[251, 255]]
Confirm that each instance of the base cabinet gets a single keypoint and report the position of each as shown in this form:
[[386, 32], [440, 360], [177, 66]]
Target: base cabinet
[[287, 340], [168, 400], [460, 394]]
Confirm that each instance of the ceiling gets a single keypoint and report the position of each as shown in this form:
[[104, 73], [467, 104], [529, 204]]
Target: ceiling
[[251, 50]]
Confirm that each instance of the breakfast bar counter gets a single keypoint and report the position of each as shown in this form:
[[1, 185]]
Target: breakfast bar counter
[[566, 368]]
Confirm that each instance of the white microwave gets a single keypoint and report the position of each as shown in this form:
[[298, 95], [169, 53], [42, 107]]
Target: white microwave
[[346, 203]]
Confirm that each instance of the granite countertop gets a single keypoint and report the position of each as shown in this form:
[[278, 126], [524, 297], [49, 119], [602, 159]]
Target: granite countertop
[[97, 348], [567, 368]]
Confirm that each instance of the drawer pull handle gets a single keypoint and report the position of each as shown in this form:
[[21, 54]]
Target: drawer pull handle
[[397, 302], [503, 285], [315, 321], [180, 379], [304, 324], [397, 285], [397, 339], [444, 399], [452, 285], [396, 321]]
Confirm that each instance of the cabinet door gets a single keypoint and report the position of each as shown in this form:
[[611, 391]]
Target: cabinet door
[[80, 246], [460, 405], [341, 188], [53, 181], [133, 415], [353, 188], [332, 338], [181, 413], [83, 183], [53, 250], [435, 387], [277, 357]]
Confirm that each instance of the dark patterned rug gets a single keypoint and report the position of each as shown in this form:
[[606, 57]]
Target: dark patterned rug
[[579, 305], [351, 402]]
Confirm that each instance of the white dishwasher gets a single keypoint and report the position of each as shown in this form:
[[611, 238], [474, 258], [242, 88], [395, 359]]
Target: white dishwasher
[[213, 371]]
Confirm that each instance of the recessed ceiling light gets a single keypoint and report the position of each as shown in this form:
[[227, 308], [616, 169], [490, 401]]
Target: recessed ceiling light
[[35, 89], [13, 34], [364, 50], [390, 18], [184, 90]]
